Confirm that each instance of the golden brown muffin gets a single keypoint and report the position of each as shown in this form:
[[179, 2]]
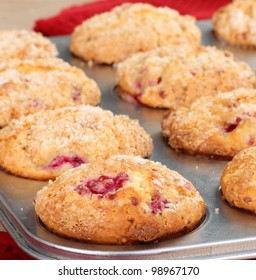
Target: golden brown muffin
[[220, 125], [43, 145], [171, 77], [29, 86], [238, 180], [113, 36], [235, 23], [122, 200], [24, 44]]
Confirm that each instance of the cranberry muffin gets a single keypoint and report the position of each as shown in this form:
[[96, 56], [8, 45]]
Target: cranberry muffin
[[112, 36], [171, 77], [219, 126], [121, 200], [24, 44], [235, 23], [44, 145], [29, 86], [238, 180]]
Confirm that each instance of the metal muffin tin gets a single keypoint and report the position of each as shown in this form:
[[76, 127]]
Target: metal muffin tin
[[226, 233]]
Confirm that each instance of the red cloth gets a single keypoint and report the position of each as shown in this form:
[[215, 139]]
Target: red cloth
[[9, 249], [64, 22]]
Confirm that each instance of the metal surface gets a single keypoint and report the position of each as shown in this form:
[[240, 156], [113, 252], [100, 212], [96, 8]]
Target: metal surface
[[226, 233]]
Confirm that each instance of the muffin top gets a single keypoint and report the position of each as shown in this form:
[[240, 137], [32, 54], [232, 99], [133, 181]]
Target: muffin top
[[238, 180], [24, 44], [220, 125], [121, 200], [29, 86], [235, 23], [44, 145], [113, 36], [176, 76]]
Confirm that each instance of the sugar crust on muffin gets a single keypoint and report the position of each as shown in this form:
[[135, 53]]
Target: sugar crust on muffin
[[29, 86], [44, 145], [112, 36], [176, 76], [25, 44], [121, 200], [238, 180], [235, 23], [219, 126]]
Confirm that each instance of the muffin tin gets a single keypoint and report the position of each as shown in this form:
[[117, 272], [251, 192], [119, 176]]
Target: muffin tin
[[226, 232]]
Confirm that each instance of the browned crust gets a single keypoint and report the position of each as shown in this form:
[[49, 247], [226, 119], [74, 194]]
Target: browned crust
[[28, 145], [112, 36], [201, 129], [169, 77], [235, 24], [117, 221], [237, 181], [43, 84]]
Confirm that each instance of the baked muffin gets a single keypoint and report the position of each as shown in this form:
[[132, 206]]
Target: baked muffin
[[113, 36], [24, 44], [235, 23], [167, 78], [43, 145], [219, 126], [238, 180], [29, 86], [121, 200]]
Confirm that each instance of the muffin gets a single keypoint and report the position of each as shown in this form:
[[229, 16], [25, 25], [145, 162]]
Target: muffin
[[238, 180], [217, 126], [44, 145], [29, 86], [235, 23], [24, 44], [121, 200], [112, 36], [172, 77]]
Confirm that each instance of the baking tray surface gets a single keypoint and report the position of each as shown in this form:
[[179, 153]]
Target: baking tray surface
[[226, 232]]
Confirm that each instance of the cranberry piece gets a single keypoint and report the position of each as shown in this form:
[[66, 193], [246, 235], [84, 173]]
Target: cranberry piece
[[155, 83], [103, 184], [111, 196], [137, 98], [158, 203], [76, 94], [59, 161], [159, 80], [82, 190], [247, 199], [251, 141], [232, 126], [193, 72], [138, 86], [162, 93], [134, 201]]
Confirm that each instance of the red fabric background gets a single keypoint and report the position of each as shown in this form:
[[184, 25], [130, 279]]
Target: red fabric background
[[64, 22], [9, 249]]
